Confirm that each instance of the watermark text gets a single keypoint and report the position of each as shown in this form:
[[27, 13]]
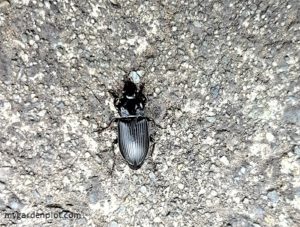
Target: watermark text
[[46, 215]]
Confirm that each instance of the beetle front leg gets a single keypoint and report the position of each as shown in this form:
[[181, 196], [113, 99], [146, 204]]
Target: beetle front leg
[[115, 97], [154, 168], [113, 93]]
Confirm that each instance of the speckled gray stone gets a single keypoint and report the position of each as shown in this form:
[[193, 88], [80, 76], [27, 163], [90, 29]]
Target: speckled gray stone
[[221, 78]]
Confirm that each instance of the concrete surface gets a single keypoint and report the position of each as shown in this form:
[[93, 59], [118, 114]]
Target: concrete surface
[[222, 77]]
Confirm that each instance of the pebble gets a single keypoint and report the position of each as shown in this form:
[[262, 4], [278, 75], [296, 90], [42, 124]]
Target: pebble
[[297, 150], [283, 68], [270, 137], [113, 224], [292, 115], [224, 160], [31, 42], [2, 204], [93, 197], [61, 105], [213, 193], [4, 3], [259, 212], [2, 186], [242, 170], [15, 204], [143, 190], [180, 186], [152, 176], [214, 91], [211, 119], [197, 24], [135, 76], [273, 196]]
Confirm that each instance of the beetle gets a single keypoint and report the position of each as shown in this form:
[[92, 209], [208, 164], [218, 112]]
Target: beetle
[[133, 126]]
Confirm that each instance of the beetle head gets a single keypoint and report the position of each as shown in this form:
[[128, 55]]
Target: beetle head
[[129, 88]]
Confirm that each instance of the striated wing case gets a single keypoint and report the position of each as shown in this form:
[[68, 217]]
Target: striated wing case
[[134, 140]]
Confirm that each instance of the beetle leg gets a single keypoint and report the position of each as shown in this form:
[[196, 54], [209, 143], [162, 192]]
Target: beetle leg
[[141, 95], [152, 146], [114, 157], [151, 155], [115, 96], [142, 86], [156, 124], [101, 129]]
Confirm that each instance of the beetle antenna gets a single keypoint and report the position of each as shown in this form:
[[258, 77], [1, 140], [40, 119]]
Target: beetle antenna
[[147, 72]]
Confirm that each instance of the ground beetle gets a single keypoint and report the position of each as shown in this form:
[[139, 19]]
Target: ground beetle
[[133, 125]]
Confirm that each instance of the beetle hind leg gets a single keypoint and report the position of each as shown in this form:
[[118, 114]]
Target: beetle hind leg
[[113, 158], [150, 157], [101, 129], [111, 167], [152, 146], [154, 122]]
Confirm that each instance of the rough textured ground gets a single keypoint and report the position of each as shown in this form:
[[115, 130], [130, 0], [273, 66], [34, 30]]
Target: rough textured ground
[[222, 77]]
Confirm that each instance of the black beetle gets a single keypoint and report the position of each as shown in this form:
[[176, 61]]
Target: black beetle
[[133, 125]]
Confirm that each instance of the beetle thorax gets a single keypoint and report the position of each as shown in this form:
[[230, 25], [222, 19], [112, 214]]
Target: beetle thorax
[[131, 107]]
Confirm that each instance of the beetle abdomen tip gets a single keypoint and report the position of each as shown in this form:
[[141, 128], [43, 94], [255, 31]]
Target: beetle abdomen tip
[[135, 166]]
